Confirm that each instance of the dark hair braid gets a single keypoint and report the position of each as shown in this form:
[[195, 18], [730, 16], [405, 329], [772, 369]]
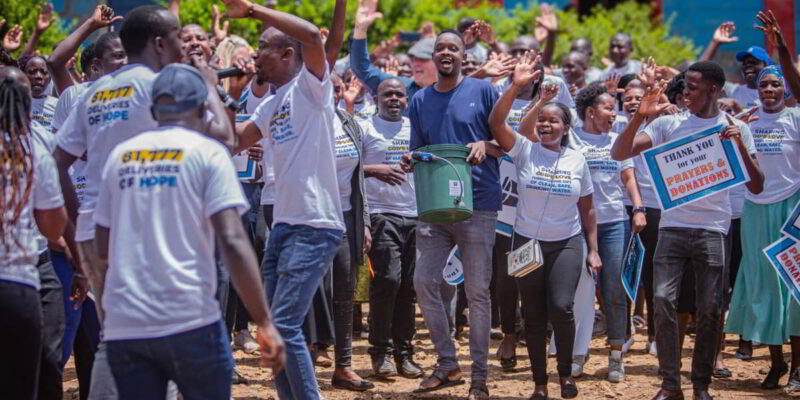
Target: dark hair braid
[[16, 171]]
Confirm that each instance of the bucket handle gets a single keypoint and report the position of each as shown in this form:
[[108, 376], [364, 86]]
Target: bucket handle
[[421, 156]]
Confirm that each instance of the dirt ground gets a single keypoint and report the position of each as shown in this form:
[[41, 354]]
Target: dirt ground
[[640, 367]]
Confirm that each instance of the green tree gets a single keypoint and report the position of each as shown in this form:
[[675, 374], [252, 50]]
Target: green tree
[[25, 13]]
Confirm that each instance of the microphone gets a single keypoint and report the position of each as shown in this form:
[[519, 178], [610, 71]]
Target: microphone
[[230, 73]]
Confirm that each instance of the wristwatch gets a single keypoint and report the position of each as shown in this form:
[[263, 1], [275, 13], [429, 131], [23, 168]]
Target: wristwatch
[[639, 209]]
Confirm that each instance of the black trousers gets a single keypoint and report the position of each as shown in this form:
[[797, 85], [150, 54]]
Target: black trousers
[[507, 294], [548, 294], [20, 340], [50, 372], [391, 291]]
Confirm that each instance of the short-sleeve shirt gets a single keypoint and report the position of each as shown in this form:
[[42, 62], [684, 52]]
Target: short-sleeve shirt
[[42, 111], [298, 124], [777, 140], [550, 185], [605, 171], [714, 212], [250, 102], [115, 108], [632, 67], [563, 96], [66, 102], [18, 261], [460, 116], [385, 142], [157, 194], [746, 97]]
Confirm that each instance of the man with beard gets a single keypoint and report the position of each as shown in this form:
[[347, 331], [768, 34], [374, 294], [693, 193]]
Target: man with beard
[[456, 111]]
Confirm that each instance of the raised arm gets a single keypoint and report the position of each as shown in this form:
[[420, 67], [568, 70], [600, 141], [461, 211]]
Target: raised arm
[[549, 21], [303, 31], [773, 33], [336, 35], [524, 73], [57, 62], [629, 144], [175, 8], [723, 34], [44, 21], [370, 75]]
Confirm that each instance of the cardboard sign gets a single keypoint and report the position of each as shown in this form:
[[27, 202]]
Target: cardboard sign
[[784, 255], [792, 225], [632, 261], [453, 272], [508, 212], [693, 167]]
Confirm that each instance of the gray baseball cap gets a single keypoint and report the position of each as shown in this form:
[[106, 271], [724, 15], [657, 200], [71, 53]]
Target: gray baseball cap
[[423, 49], [184, 84]]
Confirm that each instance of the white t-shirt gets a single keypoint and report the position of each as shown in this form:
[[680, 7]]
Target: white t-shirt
[[714, 212], [251, 102], [298, 124], [18, 263], [608, 188], [746, 97], [777, 140], [42, 111], [564, 96], [346, 162], [158, 192], [115, 108], [646, 190], [64, 106], [385, 142], [632, 67], [508, 175], [550, 185]]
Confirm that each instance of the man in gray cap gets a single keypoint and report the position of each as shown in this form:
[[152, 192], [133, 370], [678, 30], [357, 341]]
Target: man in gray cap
[[421, 56], [164, 194]]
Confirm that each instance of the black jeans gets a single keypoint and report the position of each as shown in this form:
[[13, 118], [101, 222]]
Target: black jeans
[[703, 253], [20, 340], [50, 372], [391, 291], [649, 238], [506, 290], [87, 339], [735, 245], [548, 293]]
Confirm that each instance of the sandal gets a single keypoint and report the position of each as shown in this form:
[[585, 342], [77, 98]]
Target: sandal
[[508, 364], [444, 381]]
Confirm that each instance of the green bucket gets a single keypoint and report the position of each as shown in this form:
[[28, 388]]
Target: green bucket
[[444, 190]]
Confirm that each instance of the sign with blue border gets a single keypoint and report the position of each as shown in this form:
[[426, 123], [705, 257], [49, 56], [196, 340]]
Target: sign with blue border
[[690, 168], [792, 225], [245, 167], [784, 255], [632, 262], [510, 197]]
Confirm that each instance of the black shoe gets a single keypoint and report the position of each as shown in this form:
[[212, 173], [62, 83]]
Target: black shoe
[[237, 379], [665, 394], [702, 395], [359, 386], [407, 368], [774, 376], [568, 388], [794, 382]]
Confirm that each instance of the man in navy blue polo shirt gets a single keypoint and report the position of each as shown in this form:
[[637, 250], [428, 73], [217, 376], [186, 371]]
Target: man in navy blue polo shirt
[[455, 110]]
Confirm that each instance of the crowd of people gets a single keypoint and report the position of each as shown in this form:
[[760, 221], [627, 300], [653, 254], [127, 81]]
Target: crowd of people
[[152, 213]]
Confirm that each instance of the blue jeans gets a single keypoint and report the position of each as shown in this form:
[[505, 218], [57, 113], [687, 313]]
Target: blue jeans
[[296, 259], [611, 241], [199, 361]]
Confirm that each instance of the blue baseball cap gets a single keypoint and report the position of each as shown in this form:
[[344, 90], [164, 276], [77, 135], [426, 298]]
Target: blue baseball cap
[[756, 52], [184, 84]]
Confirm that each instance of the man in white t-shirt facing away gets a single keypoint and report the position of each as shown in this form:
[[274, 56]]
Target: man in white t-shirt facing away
[[620, 47], [117, 107], [297, 122], [393, 214], [692, 237], [164, 196]]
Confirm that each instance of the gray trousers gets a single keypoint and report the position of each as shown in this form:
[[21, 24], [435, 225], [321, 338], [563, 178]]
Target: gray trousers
[[702, 253], [475, 240]]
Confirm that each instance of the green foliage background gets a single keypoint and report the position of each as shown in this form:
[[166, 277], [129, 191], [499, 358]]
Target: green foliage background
[[408, 15], [25, 13]]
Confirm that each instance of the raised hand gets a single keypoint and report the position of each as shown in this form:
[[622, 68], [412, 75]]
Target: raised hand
[[103, 16], [771, 28], [472, 33], [46, 18], [485, 32], [236, 8], [525, 71], [351, 93], [367, 13], [13, 38], [220, 32], [548, 92], [648, 72], [748, 117], [498, 65], [651, 101], [392, 66], [612, 84], [428, 30], [548, 20], [724, 33]]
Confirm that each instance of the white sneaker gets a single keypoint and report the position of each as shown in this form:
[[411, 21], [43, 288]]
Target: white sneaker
[[651, 348], [616, 370], [627, 345], [577, 366], [244, 341]]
